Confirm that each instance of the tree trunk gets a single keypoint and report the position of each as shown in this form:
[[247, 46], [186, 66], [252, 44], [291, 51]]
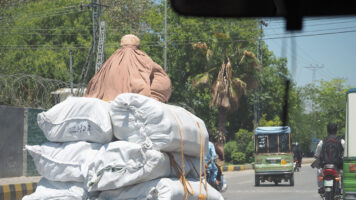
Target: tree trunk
[[221, 126]]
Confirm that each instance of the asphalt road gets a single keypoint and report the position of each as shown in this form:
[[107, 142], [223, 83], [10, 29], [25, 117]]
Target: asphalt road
[[241, 186]]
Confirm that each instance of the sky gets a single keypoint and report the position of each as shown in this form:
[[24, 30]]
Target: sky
[[331, 45]]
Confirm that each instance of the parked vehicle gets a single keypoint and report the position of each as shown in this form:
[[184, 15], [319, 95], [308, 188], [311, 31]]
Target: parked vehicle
[[349, 165], [273, 155]]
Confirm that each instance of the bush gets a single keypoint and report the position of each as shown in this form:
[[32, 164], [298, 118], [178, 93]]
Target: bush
[[229, 148], [243, 138], [250, 150], [238, 158]]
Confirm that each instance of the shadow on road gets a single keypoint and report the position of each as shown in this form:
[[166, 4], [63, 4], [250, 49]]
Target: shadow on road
[[273, 185]]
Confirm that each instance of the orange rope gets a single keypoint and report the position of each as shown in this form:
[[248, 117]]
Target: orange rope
[[181, 174], [201, 196], [182, 178]]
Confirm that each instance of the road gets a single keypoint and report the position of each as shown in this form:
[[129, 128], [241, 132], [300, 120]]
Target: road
[[241, 186]]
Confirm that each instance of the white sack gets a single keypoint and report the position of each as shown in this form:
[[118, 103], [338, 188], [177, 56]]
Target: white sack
[[77, 119], [63, 161], [159, 189], [48, 190], [122, 163], [140, 119]]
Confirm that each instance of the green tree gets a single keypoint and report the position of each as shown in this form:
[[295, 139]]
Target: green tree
[[215, 63], [328, 99]]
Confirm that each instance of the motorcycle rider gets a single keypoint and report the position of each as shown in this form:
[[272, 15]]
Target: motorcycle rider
[[210, 166], [321, 160], [218, 162], [297, 153]]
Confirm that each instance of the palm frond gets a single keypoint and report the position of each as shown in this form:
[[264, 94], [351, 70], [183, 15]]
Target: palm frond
[[201, 79], [250, 56]]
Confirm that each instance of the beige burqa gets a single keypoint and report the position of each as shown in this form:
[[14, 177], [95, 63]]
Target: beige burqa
[[129, 70]]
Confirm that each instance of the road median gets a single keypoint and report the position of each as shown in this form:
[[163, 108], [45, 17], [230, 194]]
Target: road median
[[230, 168]]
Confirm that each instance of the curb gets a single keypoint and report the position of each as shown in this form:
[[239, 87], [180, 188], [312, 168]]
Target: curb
[[16, 191], [231, 168]]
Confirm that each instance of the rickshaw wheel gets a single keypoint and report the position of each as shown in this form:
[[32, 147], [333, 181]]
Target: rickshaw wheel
[[257, 180], [291, 180], [276, 183]]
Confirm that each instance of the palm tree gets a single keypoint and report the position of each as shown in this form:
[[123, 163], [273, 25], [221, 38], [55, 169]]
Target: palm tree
[[229, 82]]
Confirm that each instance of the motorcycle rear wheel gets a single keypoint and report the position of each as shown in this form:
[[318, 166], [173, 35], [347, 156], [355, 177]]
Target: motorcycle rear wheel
[[329, 195]]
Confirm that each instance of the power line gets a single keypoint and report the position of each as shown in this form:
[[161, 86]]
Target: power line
[[62, 34], [321, 24], [51, 34], [307, 59], [319, 30], [53, 11], [43, 16], [41, 29], [29, 47], [173, 42], [266, 38], [313, 19]]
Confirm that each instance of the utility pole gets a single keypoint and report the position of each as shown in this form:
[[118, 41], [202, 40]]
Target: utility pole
[[96, 15], [294, 56], [165, 35], [98, 34], [71, 70], [260, 49], [314, 69], [100, 55], [256, 106]]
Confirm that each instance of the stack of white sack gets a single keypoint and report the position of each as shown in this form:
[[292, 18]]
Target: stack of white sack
[[82, 153], [140, 119], [162, 189], [119, 164], [167, 128], [54, 190], [77, 119], [99, 167]]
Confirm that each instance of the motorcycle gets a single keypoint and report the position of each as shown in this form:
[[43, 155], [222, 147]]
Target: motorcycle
[[332, 181], [222, 185]]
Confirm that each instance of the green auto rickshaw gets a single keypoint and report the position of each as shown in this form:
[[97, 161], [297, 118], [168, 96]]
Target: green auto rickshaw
[[349, 175], [273, 155]]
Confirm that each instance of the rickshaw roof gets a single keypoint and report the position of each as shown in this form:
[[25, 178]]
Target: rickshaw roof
[[353, 90], [272, 130]]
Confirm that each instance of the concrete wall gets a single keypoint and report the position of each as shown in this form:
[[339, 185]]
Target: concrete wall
[[18, 127], [11, 141]]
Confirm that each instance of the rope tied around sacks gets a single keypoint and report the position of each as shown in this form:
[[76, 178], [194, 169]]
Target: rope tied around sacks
[[201, 157], [183, 178], [180, 171], [202, 196]]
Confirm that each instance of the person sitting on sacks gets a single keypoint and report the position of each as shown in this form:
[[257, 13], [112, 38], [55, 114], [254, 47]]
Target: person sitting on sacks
[[129, 70]]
